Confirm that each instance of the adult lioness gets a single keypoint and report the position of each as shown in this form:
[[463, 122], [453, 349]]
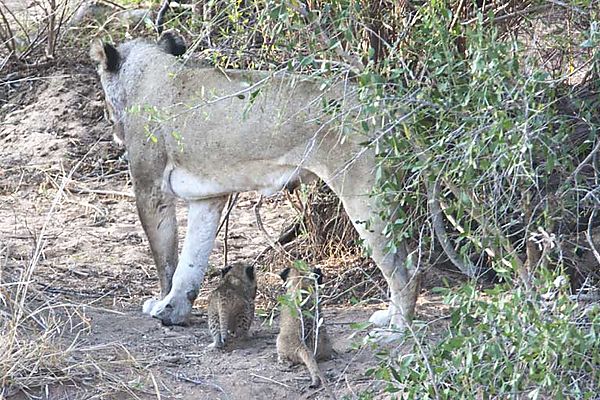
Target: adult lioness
[[202, 133]]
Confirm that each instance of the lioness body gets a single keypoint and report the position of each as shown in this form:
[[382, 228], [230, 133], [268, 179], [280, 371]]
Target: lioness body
[[301, 340], [270, 118], [231, 305], [201, 134]]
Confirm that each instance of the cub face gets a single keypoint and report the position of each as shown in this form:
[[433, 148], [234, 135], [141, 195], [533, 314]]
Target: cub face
[[240, 277], [298, 280]]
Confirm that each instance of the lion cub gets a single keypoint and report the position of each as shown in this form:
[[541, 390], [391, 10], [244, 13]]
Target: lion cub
[[301, 339], [231, 305]]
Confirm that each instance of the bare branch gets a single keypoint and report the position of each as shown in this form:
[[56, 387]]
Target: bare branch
[[465, 265]]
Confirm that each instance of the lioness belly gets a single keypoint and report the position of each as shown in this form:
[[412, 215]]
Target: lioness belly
[[267, 180]]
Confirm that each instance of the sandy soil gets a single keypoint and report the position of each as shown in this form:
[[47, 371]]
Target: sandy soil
[[64, 185]]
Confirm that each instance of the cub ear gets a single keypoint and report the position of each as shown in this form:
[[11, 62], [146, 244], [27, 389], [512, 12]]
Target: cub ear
[[225, 270], [319, 275], [284, 274], [105, 55], [171, 42], [250, 272]]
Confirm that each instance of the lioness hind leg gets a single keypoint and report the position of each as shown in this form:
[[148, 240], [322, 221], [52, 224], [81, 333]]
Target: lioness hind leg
[[203, 221], [353, 186]]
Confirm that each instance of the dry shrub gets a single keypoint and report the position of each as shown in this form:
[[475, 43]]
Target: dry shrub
[[323, 236]]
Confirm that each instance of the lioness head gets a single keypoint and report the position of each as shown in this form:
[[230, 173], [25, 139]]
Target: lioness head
[[115, 73], [109, 58]]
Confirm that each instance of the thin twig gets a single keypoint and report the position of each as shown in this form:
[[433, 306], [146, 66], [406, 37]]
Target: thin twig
[[582, 164], [274, 244], [9, 41], [355, 64], [271, 380], [184, 378], [103, 192], [231, 202]]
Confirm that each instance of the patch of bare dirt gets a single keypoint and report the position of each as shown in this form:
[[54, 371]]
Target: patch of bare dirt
[[61, 176]]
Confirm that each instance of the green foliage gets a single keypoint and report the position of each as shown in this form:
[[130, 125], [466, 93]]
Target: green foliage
[[298, 301], [485, 122], [460, 103], [503, 343]]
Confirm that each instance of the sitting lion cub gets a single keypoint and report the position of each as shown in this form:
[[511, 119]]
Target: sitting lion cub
[[231, 305], [301, 339]]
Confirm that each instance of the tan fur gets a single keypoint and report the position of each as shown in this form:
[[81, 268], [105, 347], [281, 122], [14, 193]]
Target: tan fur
[[231, 306], [300, 340], [201, 134]]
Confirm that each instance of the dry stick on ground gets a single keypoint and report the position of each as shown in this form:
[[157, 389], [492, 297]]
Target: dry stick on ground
[[271, 380], [79, 190], [184, 378]]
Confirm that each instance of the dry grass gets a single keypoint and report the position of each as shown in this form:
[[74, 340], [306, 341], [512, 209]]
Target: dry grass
[[43, 348]]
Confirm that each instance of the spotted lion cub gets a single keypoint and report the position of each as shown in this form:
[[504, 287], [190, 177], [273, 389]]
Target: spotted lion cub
[[302, 337], [231, 305]]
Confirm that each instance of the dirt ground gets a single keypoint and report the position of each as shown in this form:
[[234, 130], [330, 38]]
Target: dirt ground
[[65, 190]]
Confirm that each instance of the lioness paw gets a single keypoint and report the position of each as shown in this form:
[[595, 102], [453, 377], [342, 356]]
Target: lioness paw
[[149, 305], [384, 336], [172, 310], [381, 318]]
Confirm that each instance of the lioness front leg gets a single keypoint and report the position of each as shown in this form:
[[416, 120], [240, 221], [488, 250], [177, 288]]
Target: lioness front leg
[[203, 221], [157, 214]]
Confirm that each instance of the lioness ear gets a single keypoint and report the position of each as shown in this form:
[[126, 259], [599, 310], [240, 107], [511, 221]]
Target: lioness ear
[[171, 42], [250, 273], [284, 274], [319, 274], [225, 270], [105, 55]]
